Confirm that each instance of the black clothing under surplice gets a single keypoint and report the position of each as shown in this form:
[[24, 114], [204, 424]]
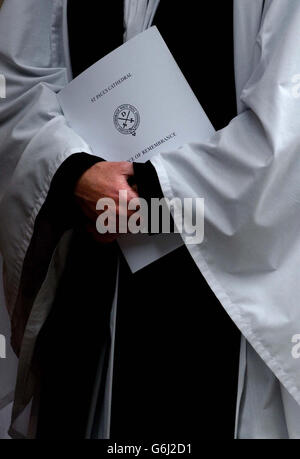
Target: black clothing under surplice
[[176, 354]]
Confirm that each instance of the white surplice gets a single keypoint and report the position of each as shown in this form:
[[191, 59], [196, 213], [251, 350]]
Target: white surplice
[[248, 174]]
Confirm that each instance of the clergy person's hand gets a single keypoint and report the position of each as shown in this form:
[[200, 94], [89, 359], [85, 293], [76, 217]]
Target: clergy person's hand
[[103, 180]]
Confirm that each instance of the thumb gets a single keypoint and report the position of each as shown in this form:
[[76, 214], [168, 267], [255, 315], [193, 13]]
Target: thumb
[[131, 192], [127, 169]]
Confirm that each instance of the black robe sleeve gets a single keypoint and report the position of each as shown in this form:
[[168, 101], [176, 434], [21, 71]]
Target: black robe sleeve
[[148, 186]]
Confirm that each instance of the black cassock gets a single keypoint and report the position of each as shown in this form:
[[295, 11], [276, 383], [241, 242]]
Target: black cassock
[[176, 350]]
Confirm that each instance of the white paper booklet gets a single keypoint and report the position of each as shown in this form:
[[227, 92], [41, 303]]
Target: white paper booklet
[[132, 104]]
